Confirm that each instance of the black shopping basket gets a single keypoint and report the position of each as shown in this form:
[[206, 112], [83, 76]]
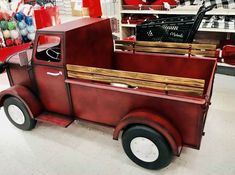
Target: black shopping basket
[[175, 29]]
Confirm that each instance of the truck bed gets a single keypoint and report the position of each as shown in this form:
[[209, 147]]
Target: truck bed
[[110, 104], [169, 65], [152, 73]]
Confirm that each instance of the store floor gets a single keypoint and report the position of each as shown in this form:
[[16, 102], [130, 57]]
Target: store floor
[[88, 149]]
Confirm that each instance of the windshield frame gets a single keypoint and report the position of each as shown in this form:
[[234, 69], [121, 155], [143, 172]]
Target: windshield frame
[[37, 44]]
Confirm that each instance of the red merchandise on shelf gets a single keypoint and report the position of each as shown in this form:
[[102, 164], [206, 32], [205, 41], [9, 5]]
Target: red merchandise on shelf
[[160, 2], [147, 4], [135, 2], [94, 8], [46, 17], [158, 5], [137, 19], [130, 38], [85, 3]]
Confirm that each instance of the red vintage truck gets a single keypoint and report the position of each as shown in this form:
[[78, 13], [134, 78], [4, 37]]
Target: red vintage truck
[[158, 101]]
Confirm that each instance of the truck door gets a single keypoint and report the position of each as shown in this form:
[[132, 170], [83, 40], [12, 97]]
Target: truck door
[[49, 72]]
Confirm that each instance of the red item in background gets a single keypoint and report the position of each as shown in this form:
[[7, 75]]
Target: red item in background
[[136, 19], [228, 51], [6, 16], [228, 54], [18, 41], [160, 2], [130, 38], [9, 42], [1, 16], [46, 17], [134, 2], [85, 3], [94, 8]]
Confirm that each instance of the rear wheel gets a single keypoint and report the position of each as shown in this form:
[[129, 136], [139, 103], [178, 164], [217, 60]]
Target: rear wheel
[[18, 114], [146, 147]]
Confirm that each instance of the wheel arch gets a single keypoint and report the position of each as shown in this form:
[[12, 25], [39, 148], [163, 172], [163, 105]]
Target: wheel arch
[[154, 121], [32, 104]]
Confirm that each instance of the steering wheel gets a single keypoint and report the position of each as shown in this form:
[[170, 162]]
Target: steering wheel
[[53, 53]]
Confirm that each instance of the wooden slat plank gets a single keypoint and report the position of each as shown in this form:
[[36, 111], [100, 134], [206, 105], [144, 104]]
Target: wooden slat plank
[[168, 44], [175, 51], [136, 83], [163, 44], [124, 42], [204, 46], [130, 48], [206, 53], [162, 50], [139, 76]]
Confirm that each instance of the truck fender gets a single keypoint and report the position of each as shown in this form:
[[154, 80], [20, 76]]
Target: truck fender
[[155, 121], [32, 104]]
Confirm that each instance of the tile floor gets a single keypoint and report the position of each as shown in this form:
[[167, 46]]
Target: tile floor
[[88, 149]]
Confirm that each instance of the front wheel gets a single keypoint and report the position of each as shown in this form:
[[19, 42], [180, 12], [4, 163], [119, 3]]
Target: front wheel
[[146, 147], [18, 114]]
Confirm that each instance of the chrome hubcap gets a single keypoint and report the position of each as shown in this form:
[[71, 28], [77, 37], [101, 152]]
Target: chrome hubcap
[[16, 114], [144, 149]]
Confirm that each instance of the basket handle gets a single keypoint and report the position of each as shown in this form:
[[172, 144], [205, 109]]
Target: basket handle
[[209, 8], [204, 9]]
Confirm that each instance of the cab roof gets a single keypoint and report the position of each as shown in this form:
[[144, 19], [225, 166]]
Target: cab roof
[[68, 26]]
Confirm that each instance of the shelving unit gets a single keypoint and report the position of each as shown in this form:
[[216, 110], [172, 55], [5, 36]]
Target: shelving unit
[[200, 29], [128, 29], [181, 11], [216, 30]]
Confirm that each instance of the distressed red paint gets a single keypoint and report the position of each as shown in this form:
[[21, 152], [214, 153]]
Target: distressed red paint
[[180, 118]]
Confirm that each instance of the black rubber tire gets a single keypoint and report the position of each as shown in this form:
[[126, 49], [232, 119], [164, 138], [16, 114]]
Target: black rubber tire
[[165, 152], [29, 123]]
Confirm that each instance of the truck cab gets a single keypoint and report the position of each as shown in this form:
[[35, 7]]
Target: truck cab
[[73, 72], [42, 69]]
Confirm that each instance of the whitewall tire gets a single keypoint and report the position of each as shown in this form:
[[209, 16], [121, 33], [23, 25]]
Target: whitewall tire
[[146, 147], [18, 114]]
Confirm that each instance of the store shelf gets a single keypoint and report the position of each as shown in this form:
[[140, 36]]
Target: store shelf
[[128, 25], [156, 12], [200, 29], [126, 29], [216, 30], [181, 11]]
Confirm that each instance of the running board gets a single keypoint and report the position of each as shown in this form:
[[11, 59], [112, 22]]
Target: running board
[[55, 119]]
